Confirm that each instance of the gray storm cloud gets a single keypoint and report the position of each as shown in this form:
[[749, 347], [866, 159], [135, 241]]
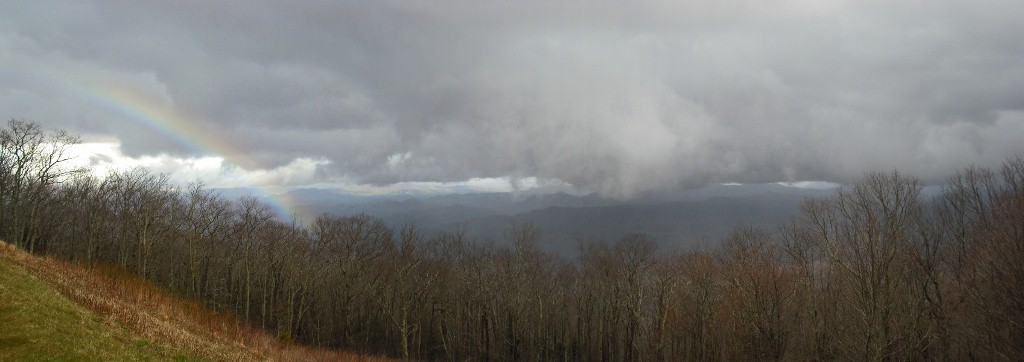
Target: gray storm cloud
[[621, 98]]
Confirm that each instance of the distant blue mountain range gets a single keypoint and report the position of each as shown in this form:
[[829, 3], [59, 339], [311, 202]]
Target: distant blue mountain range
[[678, 221]]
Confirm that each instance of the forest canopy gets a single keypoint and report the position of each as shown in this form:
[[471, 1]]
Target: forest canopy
[[875, 271]]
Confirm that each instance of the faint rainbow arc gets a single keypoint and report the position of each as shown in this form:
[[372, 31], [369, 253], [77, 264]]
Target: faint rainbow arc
[[171, 124]]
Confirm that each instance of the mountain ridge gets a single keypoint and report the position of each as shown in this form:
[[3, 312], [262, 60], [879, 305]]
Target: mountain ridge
[[678, 222]]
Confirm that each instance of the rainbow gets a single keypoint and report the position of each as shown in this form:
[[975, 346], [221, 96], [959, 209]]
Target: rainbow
[[163, 119]]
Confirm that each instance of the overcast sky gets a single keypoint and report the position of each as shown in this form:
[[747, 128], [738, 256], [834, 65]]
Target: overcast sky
[[623, 98]]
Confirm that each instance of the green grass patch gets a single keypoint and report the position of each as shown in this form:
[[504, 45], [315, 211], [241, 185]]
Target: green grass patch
[[39, 324]]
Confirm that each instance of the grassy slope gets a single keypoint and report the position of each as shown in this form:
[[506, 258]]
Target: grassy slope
[[38, 323], [55, 310]]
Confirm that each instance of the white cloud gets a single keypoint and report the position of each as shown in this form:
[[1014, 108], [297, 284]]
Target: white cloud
[[105, 157]]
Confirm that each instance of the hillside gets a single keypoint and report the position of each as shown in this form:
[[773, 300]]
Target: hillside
[[40, 323], [55, 310]]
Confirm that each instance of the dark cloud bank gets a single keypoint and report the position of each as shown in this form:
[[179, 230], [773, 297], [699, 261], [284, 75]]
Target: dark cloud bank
[[619, 97]]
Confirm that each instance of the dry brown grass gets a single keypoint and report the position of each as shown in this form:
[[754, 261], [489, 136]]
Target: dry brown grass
[[159, 315]]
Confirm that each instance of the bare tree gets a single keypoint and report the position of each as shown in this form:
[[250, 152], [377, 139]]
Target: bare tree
[[355, 246], [31, 163], [865, 236], [702, 293], [409, 283], [205, 220], [251, 217], [761, 289], [982, 212]]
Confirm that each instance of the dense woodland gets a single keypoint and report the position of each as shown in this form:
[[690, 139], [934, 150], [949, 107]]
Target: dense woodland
[[875, 271]]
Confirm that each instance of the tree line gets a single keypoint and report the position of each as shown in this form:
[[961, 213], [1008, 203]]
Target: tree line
[[876, 271]]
